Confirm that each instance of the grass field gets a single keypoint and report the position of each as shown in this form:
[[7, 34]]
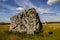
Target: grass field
[[50, 32]]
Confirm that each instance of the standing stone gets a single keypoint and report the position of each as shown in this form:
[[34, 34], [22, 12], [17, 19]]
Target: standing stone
[[27, 21]]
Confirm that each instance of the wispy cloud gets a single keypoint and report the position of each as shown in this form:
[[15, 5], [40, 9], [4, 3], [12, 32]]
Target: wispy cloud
[[50, 18], [25, 3], [42, 10], [28, 4], [11, 9], [6, 13], [58, 14], [4, 19], [3, 0], [7, 6], [50, 2]]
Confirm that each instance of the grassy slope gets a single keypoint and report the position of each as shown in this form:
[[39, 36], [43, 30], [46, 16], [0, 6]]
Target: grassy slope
[[55, 28]]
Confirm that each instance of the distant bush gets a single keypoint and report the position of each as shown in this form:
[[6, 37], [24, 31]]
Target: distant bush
[[4, 23]]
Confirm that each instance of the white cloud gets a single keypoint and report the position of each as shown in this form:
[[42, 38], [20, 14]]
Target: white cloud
[[50, 2], [20, 8]]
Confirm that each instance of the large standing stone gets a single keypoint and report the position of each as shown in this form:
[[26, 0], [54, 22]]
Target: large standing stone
[[27, 21]]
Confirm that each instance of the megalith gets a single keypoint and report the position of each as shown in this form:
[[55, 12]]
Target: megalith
[[27, 21]]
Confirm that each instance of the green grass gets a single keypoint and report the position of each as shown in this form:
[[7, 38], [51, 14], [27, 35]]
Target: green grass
[[6, 35]]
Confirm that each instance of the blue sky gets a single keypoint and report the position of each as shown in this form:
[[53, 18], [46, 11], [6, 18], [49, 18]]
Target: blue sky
[[48, 10]]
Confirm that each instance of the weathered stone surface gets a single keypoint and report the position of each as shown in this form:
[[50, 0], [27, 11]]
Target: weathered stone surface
[[27, 21]]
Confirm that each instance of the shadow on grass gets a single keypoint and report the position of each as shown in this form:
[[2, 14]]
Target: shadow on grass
[[24, 35], [37, 35]]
